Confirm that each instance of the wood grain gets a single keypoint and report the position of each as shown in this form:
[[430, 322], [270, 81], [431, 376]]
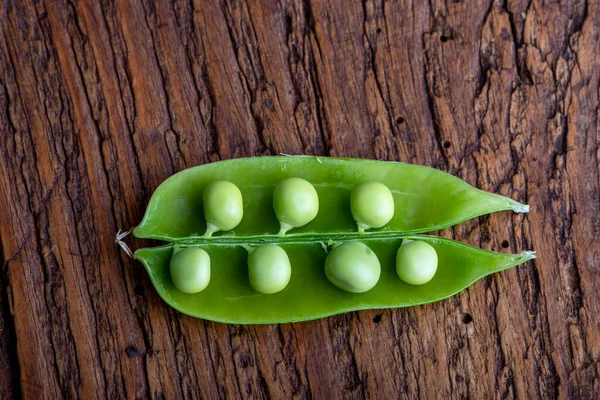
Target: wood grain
[[100, 101]]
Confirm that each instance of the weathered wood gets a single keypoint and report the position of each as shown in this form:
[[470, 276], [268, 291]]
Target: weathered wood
[[101, 101]]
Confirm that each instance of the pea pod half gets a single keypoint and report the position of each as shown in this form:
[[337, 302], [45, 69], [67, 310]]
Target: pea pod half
[[309, 295], [425, 199]]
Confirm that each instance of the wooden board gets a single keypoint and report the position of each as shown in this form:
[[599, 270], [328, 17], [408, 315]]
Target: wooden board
[[101, 101]]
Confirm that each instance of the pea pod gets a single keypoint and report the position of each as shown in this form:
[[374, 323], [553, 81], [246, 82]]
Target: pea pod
[[425, 199], [229, 297]]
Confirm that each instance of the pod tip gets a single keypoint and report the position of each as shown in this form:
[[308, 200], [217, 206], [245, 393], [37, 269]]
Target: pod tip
[[528, 254], [520, 208]]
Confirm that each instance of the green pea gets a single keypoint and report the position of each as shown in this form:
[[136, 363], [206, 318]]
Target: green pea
[[269, 269], [353, 267], [416, 262], [296, 203], [372, 205], [223, 206], [190, 269]]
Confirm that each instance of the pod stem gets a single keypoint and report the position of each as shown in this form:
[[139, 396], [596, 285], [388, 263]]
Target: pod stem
[[119, 240]]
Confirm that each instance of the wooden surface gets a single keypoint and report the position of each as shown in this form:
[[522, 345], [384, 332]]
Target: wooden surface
[[100, 102]]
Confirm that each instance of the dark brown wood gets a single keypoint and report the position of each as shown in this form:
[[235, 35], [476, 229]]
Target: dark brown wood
[[101, 101]]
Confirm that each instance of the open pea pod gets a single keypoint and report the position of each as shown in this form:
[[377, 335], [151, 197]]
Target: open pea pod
[[229, 298], [425, 199]]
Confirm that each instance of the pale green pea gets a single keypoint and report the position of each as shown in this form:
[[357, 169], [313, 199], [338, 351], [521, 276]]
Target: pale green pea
[[353, 267], [416, 262], [372, 205], [223, 206], [296, 203], [190, 269], [269, 269]]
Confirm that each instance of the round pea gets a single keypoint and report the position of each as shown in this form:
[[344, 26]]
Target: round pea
[[353, 267], [269, 269], [296, 203], [190, 269], [223, 206], [416, 262], [372, 205]]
